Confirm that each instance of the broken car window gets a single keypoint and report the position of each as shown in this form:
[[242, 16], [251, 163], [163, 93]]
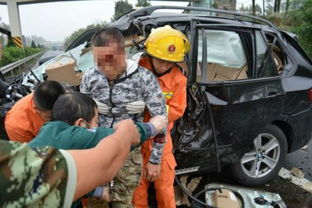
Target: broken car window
[[278, 54], [266, 65], [226, 59]]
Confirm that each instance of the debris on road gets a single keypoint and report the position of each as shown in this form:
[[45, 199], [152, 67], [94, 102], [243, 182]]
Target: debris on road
[[297, 172], [235, 196], [181, 198], [300, 181], [305, 148]]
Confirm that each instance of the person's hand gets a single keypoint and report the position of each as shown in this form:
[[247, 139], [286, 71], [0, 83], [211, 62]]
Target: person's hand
[[151, 172], [159, 122], [128, 129]]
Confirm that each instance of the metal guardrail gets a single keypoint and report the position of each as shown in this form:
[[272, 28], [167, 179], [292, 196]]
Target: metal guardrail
[[10, 67]]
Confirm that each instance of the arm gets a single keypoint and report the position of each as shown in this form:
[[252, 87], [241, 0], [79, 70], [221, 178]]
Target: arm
[[90, 139], [152, 128], [16, 134], [156, 105], [105, 160]]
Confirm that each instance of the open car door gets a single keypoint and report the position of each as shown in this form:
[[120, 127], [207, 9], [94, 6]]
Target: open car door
[[228, 88]]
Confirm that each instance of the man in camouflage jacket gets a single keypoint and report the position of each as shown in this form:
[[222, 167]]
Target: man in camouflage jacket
[[122, 90]]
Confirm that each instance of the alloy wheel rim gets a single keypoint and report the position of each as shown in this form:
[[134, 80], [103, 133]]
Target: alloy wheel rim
[[263, 158]]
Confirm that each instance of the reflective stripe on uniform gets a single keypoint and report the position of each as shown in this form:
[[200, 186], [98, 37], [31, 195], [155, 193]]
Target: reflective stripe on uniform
[[167, 108], [168, 95]]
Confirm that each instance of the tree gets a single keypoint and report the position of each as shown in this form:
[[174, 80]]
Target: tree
[[253, 7], [258, 9], [143, 3], [269, 9], [214, 5], [33, 44], [77, 33], [298, 21], [245, 10], [277, 6], [302, 20], [287, 5], [121, 7]]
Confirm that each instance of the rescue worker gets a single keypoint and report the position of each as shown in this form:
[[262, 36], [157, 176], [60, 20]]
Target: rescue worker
[[23, 121], [164, 48], [122, 90], [46, 177]]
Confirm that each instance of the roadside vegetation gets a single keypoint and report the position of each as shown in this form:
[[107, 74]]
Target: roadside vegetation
[[298, 21], [11, 54], [291, 15], [77, 33], [121, 7]]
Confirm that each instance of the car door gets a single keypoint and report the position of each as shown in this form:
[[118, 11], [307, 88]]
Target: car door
[[233, 92]]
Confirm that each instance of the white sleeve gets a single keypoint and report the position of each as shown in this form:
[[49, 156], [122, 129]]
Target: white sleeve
[[72, 179]]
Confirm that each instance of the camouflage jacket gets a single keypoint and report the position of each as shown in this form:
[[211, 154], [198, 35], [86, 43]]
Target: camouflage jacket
[[41, 177], [137, 83]]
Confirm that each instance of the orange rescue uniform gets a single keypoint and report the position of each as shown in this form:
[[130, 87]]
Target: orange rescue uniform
[[22, 122], [173, 85]]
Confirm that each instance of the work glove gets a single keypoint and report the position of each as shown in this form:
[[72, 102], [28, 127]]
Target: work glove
[[159, 122], [135, 107], [103, 108]]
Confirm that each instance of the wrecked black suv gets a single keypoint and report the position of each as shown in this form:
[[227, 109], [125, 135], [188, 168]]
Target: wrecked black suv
[[249, 89]]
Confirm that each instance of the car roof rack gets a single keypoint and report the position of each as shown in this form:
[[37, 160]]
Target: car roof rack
[[149, 10]]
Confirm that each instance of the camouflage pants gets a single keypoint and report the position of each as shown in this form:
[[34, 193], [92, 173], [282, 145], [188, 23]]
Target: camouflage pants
[[124, 184]]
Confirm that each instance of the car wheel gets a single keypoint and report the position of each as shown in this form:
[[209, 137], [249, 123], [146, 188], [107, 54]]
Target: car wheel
[[265, 158]]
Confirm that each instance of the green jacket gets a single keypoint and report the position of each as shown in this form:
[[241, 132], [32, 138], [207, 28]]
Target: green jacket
[[61, 135]]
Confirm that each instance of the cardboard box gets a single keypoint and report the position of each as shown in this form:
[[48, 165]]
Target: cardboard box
[[63, 70]]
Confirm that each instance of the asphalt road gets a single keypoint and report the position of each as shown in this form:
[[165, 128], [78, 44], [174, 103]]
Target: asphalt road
[[49, 53], [301, 159], [293, 195]]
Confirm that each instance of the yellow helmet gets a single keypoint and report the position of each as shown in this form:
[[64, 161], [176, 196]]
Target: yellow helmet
[[167, 44]]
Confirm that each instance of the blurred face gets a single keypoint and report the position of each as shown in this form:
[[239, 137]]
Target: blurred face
[[161, 66], [110, 59], [44, 114]]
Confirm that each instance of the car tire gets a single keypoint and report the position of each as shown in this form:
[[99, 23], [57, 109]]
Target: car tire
[[265, 158]]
